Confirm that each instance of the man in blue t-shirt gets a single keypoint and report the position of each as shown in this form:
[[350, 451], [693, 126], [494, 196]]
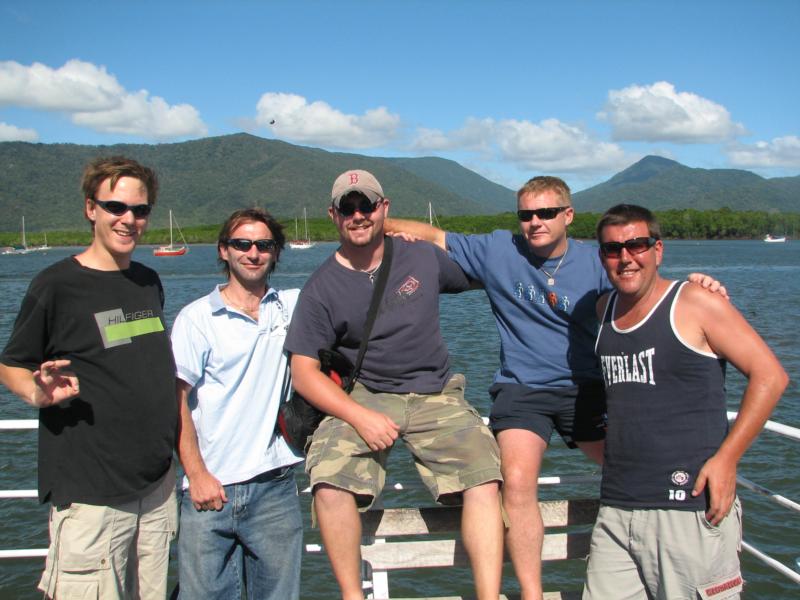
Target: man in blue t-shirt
[[543, 287]]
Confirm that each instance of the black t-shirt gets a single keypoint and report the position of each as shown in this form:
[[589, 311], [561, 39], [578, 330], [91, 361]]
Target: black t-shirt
[[114, 442], [406, 352]]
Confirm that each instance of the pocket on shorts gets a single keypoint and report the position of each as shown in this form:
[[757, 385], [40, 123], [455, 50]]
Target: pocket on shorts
[[78, 590], [83, 543]]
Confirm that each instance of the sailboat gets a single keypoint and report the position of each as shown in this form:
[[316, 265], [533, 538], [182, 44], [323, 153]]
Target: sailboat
[[301, 243], [432, 216], [43, 247], [172, 250], [23, 249]]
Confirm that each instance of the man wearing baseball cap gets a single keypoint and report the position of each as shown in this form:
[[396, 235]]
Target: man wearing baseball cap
[[405, 388]]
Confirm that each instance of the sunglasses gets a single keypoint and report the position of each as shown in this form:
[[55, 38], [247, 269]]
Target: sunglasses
[[117, 208], [543, 214], [633, 246], [244, 245], [364, 206]]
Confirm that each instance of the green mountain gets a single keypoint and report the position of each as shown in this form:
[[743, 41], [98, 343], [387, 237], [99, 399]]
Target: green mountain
[[663, 184], [203, 181]]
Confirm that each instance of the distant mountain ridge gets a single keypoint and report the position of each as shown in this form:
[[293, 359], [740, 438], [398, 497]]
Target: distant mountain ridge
[[662, 184], [203, 181]]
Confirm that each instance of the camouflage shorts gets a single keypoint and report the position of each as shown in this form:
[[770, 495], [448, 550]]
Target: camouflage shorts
[[454, 450]]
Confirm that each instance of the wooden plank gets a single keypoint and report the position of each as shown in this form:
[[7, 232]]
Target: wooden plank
[[446, 519], [448, 553]]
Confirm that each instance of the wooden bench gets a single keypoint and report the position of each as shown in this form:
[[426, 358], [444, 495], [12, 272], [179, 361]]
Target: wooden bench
[[416, 538]]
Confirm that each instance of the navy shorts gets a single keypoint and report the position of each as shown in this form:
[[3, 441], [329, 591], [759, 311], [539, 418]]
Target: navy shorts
[[577, 412]]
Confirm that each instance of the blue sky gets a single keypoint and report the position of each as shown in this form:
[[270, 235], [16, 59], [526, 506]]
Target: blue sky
[[508, 89]]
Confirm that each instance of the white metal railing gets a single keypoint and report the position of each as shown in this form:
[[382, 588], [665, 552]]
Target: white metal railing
[[778, 428]]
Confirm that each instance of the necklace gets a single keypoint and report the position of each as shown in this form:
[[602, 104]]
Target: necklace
[[244, 309], [371, 272], [551, 277]]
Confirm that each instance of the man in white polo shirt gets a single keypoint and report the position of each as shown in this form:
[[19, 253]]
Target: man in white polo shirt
[[240, 516]]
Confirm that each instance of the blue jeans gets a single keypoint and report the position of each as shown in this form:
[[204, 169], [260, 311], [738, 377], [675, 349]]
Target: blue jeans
[[255, 541]]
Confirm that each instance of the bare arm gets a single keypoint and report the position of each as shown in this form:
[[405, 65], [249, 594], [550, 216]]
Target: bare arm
[[421, 231], [375, 428], [726, 333], [205, 490], [44, 387]]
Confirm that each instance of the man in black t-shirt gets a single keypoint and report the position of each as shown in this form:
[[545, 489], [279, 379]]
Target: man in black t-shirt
[[90, 350]]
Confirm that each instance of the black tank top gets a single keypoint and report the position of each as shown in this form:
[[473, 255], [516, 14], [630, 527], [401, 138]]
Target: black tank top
[[666, 411]]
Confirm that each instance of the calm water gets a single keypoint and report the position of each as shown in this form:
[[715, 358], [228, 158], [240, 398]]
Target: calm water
[[763, 280]]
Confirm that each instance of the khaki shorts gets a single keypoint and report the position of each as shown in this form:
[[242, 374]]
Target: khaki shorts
[[112, 552], [454, 450], [664, 555]]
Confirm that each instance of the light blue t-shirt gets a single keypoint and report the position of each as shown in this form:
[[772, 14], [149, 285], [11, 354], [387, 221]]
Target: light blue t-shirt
[[547, 333], [237, 369]]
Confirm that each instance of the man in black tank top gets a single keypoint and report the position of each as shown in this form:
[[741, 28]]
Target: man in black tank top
[[670, 523]]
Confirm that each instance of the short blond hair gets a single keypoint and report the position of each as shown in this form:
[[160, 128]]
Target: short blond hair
[[544, 183]]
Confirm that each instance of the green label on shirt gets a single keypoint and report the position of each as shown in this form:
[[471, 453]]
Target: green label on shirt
[[130, 329]]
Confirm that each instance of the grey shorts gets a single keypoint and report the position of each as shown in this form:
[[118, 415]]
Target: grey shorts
[[577, 412], [453, 449], [664, 555]]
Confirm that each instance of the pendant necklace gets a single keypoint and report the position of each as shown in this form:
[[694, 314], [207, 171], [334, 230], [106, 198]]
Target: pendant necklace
[[551, 277], [371, 272]]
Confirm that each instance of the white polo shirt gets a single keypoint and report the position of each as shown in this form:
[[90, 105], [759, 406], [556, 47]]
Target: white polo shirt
[[237, 369]]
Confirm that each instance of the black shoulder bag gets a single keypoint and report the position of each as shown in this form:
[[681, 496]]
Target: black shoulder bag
[[297, 418]]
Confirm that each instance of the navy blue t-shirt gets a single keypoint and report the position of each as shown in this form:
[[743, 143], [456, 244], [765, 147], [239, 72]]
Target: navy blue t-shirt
[[406, 352]]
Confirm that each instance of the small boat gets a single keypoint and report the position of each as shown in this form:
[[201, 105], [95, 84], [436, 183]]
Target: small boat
[[43, 247], [299, 243], [172, 250], [23, 249], [770, 239]]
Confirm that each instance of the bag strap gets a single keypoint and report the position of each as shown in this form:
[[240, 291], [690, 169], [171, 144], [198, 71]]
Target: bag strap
[[374, 307]]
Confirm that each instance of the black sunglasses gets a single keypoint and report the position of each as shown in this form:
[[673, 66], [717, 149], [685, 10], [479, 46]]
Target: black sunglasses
[[364, 206], [543, 214], [117, 208], [244, 245], [633, 246]]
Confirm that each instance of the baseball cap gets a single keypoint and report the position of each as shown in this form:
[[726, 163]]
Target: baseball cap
[[359, 181]]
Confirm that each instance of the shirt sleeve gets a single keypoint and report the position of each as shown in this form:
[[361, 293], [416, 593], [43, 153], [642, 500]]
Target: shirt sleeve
[[27, 346], [471, 252], [452, 278], [190, 348], [311, 327]]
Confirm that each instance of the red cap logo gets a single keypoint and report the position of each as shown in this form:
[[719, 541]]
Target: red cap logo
[[353, 178]]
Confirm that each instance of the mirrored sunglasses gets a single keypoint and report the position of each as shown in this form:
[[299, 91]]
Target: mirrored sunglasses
[[244, 245], [633, 246], [117, 208]]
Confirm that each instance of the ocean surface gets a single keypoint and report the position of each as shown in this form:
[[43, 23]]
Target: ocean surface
[[762, 279]]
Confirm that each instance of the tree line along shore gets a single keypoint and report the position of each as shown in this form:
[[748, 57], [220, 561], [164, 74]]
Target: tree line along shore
[[675, 224]]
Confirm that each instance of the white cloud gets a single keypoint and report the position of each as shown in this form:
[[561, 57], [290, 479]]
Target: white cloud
[[550, 145], [780, 152], [10, 133], [319, 123], [94, 98], [659, 113], [139, 114]]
